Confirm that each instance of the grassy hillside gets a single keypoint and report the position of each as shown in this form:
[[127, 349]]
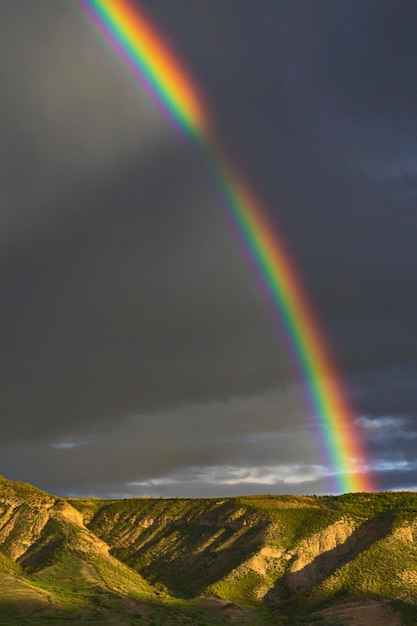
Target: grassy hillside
[[251, 560]]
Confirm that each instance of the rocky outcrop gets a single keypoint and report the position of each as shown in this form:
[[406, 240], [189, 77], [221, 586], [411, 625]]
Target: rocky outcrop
[[319, 555]]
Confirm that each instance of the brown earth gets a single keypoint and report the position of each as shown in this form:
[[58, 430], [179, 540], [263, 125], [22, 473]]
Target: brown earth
[[362, 613]]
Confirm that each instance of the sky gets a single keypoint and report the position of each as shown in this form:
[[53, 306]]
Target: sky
[[139, 355]]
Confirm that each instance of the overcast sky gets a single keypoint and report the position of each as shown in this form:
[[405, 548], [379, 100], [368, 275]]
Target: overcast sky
[[139, 356]]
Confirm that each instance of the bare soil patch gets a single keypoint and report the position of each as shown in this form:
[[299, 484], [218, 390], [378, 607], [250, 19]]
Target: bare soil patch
[[219, 607], [362, 613]]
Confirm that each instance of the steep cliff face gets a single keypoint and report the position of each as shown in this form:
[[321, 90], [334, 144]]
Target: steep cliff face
[[252, 559]]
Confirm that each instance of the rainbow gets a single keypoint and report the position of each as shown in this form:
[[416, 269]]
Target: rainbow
[[159, 71]]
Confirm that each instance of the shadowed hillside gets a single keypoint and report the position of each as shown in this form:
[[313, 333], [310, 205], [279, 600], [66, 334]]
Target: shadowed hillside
[[252, 560]]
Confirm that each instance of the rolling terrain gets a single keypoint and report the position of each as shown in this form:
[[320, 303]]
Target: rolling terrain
[[255, 560]]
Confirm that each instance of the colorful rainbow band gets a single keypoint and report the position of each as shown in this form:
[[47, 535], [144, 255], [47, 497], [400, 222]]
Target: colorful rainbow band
[[158, 69]]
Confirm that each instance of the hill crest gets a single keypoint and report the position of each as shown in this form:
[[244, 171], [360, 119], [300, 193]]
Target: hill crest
[[255, 559]]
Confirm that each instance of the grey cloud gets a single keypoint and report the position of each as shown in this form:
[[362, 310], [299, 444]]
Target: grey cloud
[[113, 326]]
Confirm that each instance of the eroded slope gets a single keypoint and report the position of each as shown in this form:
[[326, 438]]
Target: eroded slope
[[254, 560]]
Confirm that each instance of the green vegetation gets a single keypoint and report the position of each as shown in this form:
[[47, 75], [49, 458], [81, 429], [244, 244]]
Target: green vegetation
[[254, 560]]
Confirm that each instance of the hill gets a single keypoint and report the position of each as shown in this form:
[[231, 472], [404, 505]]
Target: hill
[[254, 560]]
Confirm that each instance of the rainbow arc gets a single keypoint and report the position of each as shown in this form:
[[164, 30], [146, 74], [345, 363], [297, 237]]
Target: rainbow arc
[[158, 69]]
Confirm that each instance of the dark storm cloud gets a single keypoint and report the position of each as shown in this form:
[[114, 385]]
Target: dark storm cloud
[[387, 391], [372, 68], [132, 328], [116, 318]]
